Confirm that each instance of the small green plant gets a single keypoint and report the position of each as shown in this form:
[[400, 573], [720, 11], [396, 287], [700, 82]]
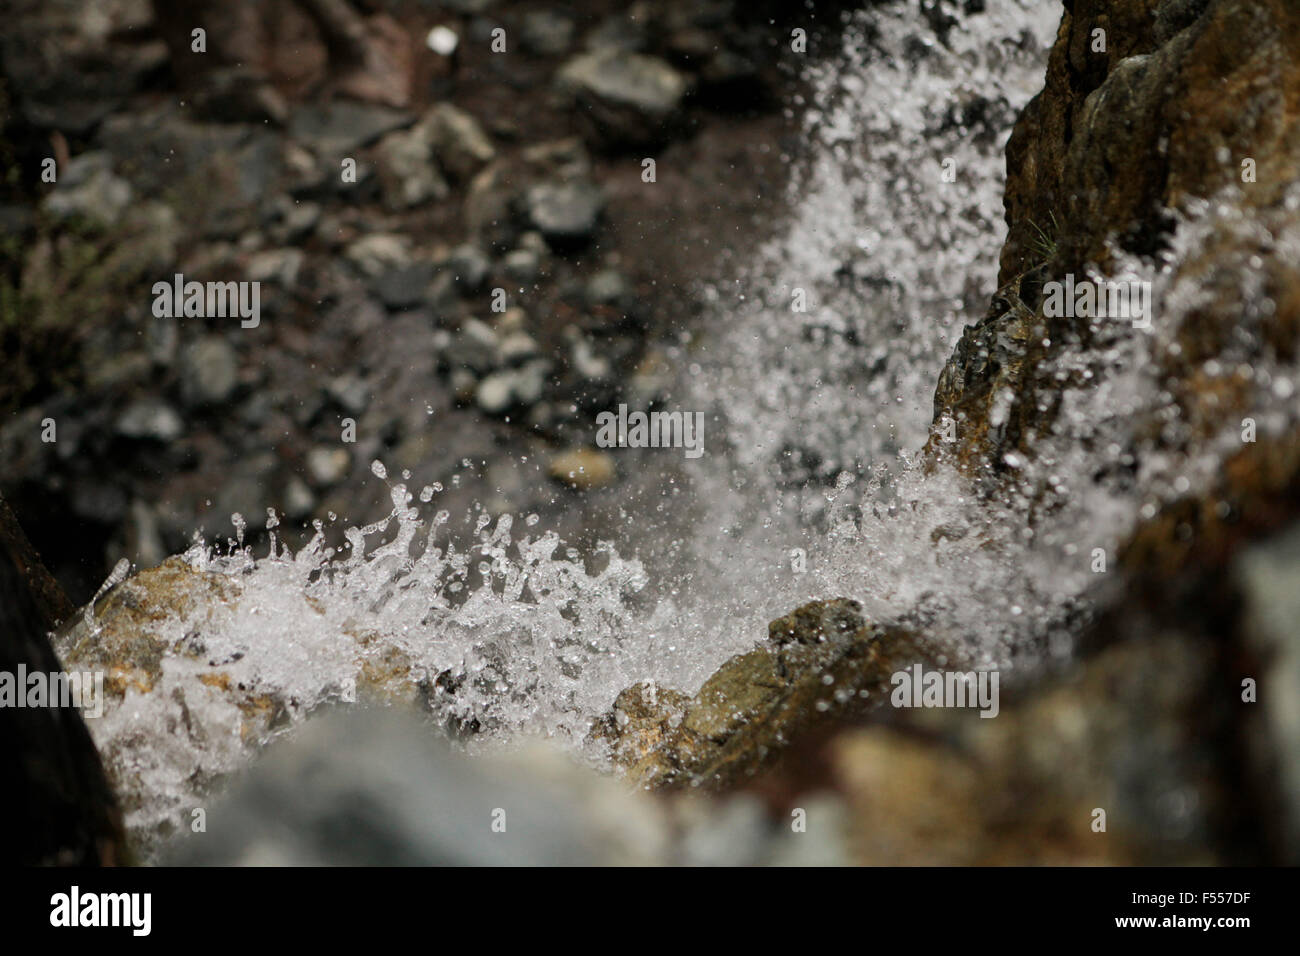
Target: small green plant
[[1043, 243]]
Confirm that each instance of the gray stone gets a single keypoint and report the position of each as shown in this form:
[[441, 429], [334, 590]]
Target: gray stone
[[628, 97], [328, 465], [209, 371], [469, 266], [458, 141], [516, 348], [408, 174], [150, 419], [522, 265], [336, 130], [565, 212], [375, 254], [546, 32], [351, 393], [88, 188], [404, 287], [607, 287], [495, 393], [1268, 576]]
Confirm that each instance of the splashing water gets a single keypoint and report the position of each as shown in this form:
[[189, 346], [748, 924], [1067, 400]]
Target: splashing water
[[821, 410], [513, 633]]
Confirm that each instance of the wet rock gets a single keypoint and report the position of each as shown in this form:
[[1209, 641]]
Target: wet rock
[[378, 789], [565, 213], [468, 266], [293, 221], [55, 782], [822, 662], [522, 266], [517, 348], [583, 469], [150, 419], [474, 346], [495, 394], [502, 390], [237, 94], [328, 466], [489, 209], [546, 32], [338, 129], [1268, 576], [628, 98], [377, 253], [88, 189], [1128, 735], [607, 287], [276, 266], [209, 371], [1179, 103], [405, 286], [351, 392], [458, 141], [408, 174]]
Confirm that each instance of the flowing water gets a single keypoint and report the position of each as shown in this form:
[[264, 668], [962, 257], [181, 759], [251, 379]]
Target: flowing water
[[808, 486]]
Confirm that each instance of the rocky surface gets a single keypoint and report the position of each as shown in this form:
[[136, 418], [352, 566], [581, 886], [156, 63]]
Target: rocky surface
[[488, 181], [55, 781], [821, 662]]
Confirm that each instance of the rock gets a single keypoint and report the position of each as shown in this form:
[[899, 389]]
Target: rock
[[379, 252], [502, 390], [628, 98], [474, 346], [328, 466], [1178, 102], [375, 788], [1022, 789], [404, 287], [238, 94], [350, 392], [583, 469], [276, 266], [299, 501], [468, 266], [338, 129], [607, 287], [546, 32], [294, 220], [823, 662], [495, 394], [408, 174], [517, 348], [565, 213], [458, 141], [585, 361], [522, 266], [209, 371], [88, 189], [1268, 577], [150, 419], [489, 212], [55, 783]]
